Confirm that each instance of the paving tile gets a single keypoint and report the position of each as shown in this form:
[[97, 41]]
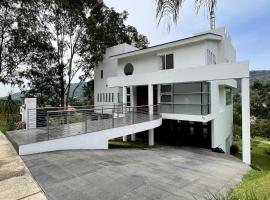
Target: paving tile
[[165, 173]]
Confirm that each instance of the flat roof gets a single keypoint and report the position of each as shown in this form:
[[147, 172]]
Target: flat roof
[[166, 45]]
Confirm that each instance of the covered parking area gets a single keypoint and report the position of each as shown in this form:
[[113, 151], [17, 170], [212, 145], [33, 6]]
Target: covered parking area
[[220, 72]]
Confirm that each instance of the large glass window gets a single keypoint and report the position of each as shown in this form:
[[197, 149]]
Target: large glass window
[[167, 61], [186, 98]]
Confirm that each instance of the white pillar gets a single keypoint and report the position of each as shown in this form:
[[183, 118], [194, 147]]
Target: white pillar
[[132, 104], [124, 95], [151, 111], [150, 99], [158, 94], [30, 113], [124, 105], [151, 137], [245, 121]]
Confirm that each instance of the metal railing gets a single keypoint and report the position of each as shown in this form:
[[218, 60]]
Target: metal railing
[[68, 122], [37, 117]]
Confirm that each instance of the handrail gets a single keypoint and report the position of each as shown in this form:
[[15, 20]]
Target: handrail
[[80, 121]]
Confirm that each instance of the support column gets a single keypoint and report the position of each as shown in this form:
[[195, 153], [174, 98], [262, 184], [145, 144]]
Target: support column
[[150, 99], [151, 111], [124, 106], [132, 104], [158, 94], [245, 121]]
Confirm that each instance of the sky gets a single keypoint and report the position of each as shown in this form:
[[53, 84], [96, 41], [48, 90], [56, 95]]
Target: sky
[[247, 22]]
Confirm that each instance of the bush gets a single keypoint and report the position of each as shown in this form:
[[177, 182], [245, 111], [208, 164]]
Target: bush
[[261, 128], [234, 149], [19, 125], [246, 196], [255, 167], [267, 151]]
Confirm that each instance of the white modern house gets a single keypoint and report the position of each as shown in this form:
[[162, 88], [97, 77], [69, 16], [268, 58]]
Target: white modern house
[[191, 81], [183, 87]]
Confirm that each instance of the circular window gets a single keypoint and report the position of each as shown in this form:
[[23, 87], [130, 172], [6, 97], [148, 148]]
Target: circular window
[[128, 70]]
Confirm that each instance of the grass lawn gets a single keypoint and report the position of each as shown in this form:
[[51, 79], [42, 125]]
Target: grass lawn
[[259, 158], [3, 128], [256, 184], [137, 145]]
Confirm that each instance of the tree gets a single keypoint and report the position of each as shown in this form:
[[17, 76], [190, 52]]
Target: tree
[[170, 8], [21, 38], [88, 92], [79, 33]]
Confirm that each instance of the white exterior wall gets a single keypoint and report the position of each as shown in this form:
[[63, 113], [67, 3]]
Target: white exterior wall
[[109, 67], [184, 57], [224, 50], [222, 122], [190, 65]]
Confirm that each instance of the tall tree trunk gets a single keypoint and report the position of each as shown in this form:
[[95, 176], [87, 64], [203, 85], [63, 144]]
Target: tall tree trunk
[[62, 85]]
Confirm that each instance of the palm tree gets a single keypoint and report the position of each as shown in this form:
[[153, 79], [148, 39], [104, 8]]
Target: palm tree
[[170, 8]]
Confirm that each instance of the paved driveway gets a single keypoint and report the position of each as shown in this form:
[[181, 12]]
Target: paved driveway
[[128, 174]]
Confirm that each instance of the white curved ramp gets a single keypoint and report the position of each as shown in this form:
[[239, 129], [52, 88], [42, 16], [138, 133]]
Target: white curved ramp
[[93, 140]]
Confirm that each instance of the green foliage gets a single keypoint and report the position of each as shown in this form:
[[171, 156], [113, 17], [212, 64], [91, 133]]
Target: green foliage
[[258, 156], [260, 100], [9, 113], [247, 195], [267, 151], [260, 127], [49, 42], [88, 92], [9, 106], [255, 185], [121, 144]]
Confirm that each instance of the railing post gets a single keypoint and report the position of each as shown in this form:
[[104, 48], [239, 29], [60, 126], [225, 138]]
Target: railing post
[[133, 114], [113, 117], [102, 112], [27, 121], [85, 121], [48, 125]]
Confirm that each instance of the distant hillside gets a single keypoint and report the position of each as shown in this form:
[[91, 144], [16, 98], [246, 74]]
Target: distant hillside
[[78, 92], [261, 75]]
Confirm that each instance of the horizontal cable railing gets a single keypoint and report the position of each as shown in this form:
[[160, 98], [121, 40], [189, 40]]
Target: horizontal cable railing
[[59, 122]]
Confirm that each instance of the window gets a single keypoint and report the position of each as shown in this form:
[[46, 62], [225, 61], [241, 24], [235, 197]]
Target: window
[[167, 61], [103, 97], [166, 93], [211, 58], [101, 74], [228, 96], [112, 97], [128, 69]]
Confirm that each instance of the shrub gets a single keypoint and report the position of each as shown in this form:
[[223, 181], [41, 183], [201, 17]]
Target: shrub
[[246, 196], [19, 125], [255, 167], [267, 151], [234, 149]]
